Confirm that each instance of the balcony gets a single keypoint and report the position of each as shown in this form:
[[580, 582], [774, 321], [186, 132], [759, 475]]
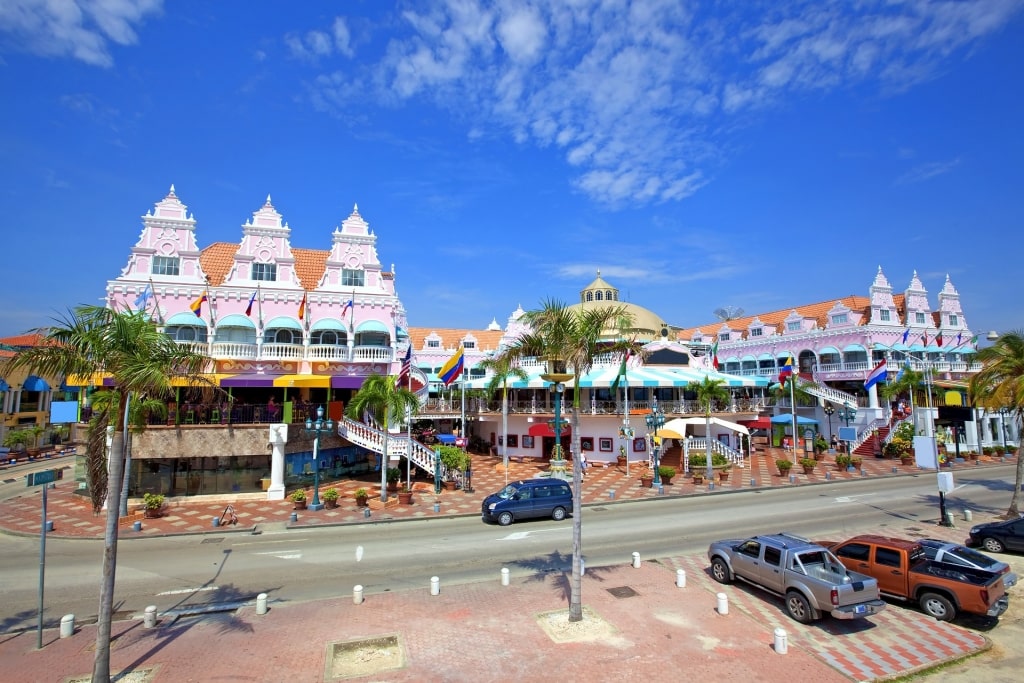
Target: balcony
[[293, 352]]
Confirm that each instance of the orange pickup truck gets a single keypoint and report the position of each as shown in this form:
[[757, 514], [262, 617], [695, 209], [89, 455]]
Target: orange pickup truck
[[903, 572]]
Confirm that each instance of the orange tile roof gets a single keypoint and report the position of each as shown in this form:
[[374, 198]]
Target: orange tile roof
[[28, 339], [310, 264], [486, 340], [216, 261], [818, 311]]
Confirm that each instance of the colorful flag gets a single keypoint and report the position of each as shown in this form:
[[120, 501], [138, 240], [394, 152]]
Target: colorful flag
[[876, 375], [348, 304], [787, 369], [973, 341], [451, 370], [714, 355], [959, 336], [903, 368], [143, 298], [924, 338], [403, 374], [906, 335], [302, 307], [252, 300], [197, 305], [622, 370], [938, 339]]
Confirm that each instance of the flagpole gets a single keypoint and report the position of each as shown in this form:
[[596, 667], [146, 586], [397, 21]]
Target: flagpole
[[792, 406]]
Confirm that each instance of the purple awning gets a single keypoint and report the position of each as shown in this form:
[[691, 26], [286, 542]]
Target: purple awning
[[347, 381], [252, 380]]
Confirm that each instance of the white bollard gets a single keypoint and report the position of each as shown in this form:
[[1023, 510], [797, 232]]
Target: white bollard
[[261, 604], [435, 585], [636, 560], [149, 617], [583, 567], [723, 603], [967, 515], [67, 626], [357, 594], [681, 578], [504, 576], [781, 641]]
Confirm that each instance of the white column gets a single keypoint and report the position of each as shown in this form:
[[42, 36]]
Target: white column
[[873, 396], [278, 438]]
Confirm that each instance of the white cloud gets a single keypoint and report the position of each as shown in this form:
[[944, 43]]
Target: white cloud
[[79, 29], [924, 172]]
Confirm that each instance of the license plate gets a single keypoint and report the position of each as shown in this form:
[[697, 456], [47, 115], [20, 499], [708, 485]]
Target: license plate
[[860, 609]]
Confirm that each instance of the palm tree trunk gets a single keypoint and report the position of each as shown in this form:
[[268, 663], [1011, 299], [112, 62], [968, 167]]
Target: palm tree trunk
[[576, 583], [504, 429], [707, 443], [101, 662], [384, 467], [1014, 511]]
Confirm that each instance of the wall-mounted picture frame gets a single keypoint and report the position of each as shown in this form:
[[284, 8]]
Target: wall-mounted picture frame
[[501, 441], [513, 441], [605, 445], [587, 443], [527, 441], [639, 445]]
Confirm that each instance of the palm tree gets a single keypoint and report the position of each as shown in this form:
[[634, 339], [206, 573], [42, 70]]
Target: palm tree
[[570, 339], [142, 360], [502, 369], [793, 386], [387, 402], [1000, 384], [708, 391]]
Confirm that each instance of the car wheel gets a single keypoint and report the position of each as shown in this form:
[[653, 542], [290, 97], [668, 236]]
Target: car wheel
[[938, 606], [720, 571], [505, 518], [558, 514], [993, 545], [799, 608]]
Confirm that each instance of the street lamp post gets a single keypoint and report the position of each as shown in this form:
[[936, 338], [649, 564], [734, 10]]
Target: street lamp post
[[829, 409], [655, 421], [557, 375], [315, 428], [847, 413]]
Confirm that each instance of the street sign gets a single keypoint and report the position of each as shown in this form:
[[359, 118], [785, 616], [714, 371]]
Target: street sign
[[44, 477]]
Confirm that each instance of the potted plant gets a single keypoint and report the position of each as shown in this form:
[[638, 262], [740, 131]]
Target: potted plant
[[988, 450], [361, 495], [698, 477], [17, 440], [784, 466], [394, 475], [723, 472], [820, 446], [454, 460], [404, 495], [646, 476], [299, 498], [622, 456], [842, 462], [666, 473], [330, 497], [856, 461], [808, 464], [153, 504], [1011, 451]]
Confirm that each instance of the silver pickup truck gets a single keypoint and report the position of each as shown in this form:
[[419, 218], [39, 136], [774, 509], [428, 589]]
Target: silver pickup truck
[[810, 578]]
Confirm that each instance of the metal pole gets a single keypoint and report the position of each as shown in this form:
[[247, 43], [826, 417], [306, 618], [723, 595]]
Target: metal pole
[[408, 455], [792, 407], [504, 427], [625, 421], [316, 466], [42, 571]]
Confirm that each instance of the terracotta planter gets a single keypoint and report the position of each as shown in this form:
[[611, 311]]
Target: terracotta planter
[[906, 461], [392, 487], [405, 497], [723, 475], [451, 485], [361, 501], [153, 513], [300, 505], [646, 482], [783, 473], [698, 479], [808, 469], [330, 504]]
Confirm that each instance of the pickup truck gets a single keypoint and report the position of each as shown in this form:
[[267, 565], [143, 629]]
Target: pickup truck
[[904, 572], [808, 576]]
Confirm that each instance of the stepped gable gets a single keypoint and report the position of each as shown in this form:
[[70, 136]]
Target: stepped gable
[[218, 258]]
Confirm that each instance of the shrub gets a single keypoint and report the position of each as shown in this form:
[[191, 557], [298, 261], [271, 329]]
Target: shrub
[[666, 472], [783, 465], [331, 494], [807, 462], [453, 458], [152, 501], [361, 493], [843, 460], [393, 474], [701, 460], [298, 495]]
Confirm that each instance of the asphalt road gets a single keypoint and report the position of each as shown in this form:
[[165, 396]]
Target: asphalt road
[[299, 565]]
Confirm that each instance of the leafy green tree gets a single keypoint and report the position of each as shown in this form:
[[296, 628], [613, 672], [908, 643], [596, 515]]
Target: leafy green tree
[[143, 361], [1000, 385], [570, 338], [709, 391], [387, 403], [502, 370]]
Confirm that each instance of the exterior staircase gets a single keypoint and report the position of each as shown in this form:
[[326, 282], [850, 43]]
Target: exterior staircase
[[398, 444], [826, 392], [873, 444]]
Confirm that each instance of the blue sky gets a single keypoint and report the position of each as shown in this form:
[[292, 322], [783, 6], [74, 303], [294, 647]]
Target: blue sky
[[700, 154]]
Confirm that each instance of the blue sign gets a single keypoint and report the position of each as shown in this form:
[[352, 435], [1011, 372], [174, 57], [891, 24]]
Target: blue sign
[[847, 433], [44, 477]]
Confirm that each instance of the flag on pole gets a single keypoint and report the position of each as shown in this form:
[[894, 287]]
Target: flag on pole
[[197, 305], [403, 374], [876, 375], [714, 355], [143, 298], [451, 370], [938, 339], [348, 305], [252, 300], [302, 307], [924, 338], [622, 370], [903, 368], [906, 335], [959, 336], [787, 369]]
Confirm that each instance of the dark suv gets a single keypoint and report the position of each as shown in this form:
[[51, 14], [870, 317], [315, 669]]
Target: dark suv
[[528, 498]]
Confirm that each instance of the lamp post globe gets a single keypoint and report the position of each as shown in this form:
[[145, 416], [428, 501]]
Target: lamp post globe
[[655, 420], [829, 409], [315, 428]]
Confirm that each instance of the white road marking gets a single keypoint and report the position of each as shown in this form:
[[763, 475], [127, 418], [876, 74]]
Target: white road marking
[[284, 554], [852, 499], [290, 539], [520, 535], [182, 591]]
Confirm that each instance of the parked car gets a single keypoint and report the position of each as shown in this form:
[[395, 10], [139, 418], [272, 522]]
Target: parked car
[[528, 498], [809, 577], [962, 556], [996, 537], [941, 590]]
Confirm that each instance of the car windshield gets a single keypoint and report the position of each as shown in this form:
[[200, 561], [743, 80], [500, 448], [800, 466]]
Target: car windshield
[[508, 492]]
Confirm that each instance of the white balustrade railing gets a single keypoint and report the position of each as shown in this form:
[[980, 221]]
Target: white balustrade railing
[[233, 350], [376, 354], [828, 393], [281, 352], [699, 445], [372, 439], [327, 352]]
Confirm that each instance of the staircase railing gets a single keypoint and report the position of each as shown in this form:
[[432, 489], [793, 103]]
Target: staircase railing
[[865, 433], [372, 439], [699, 445], [826, 392], [888, 437]]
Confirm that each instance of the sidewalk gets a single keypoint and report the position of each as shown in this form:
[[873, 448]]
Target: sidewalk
[[72, 514], [638, 625]]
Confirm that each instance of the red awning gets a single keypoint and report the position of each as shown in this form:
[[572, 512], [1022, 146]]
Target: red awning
[[759, 423], [544, 429]]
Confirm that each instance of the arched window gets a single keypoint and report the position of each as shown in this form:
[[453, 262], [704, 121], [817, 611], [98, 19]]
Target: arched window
[[608, 295], [188, 333], [282, 336], [590, 296], [598, 296], [328, 338]]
